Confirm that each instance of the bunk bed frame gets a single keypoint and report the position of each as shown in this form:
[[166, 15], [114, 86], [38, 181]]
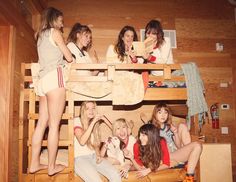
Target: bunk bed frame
[[29, 115]]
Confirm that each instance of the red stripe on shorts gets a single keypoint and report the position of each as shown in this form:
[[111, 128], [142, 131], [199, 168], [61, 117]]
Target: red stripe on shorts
[[60, 77]]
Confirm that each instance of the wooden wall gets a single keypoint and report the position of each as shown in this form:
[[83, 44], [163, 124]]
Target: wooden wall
[[22, 49], [199, 26]]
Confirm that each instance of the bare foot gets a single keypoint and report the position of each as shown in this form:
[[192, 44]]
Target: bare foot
[[58, 168], [36, 168]]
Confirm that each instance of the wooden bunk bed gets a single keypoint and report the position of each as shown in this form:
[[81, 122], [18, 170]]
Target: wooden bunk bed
[[29, 115]]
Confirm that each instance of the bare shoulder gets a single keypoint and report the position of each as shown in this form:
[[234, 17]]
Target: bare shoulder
[[56, 34]]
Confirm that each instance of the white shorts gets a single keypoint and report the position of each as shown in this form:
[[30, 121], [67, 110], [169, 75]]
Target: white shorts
[[52, 80]]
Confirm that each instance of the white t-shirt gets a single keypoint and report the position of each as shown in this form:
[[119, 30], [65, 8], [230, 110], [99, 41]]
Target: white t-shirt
[[81, 57], [163, 55], [80, 150]]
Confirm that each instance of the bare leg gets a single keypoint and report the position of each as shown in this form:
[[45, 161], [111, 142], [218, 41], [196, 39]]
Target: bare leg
[[56, 104], [38, 136], [191, 153], [184, 134]]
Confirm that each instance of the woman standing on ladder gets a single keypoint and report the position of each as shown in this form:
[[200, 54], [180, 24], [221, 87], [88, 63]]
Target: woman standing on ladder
[[51, 88]]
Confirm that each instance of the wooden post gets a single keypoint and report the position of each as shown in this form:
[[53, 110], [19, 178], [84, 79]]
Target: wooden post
[[32, 100]]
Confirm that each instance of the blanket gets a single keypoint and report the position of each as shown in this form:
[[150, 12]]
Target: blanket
[[90, 89], [195, 89], [128, 88]]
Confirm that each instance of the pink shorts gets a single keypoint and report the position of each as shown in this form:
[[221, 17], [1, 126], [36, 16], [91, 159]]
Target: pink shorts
[[52, 80]]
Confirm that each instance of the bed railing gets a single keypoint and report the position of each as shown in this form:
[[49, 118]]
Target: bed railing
[[110, 69]]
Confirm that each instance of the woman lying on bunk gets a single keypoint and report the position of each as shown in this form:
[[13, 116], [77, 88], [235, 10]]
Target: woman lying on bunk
[[151, 153], [88, 164], [79, 43], [178, 139], [123, 51], [121, 129]]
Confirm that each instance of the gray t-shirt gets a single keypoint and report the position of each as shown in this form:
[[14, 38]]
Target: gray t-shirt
[[168, 135]]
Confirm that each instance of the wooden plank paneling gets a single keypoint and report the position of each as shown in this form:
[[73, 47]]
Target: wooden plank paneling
[[205, 44], [207, 29]]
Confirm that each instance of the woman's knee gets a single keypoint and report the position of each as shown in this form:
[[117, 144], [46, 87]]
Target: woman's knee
[[197, 146], [182, 127]]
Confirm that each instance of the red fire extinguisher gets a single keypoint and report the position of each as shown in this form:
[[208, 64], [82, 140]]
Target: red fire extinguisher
[[215, 115]]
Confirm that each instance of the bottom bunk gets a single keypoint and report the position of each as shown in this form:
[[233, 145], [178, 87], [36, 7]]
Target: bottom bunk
[[66, 154], [170, 175]]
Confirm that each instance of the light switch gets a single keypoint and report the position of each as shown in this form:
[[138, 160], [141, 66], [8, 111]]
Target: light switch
[[224, 130]]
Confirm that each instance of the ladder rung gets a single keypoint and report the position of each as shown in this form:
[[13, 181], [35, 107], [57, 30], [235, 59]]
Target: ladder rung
[[36, 116], [67, 170], [62, 143]]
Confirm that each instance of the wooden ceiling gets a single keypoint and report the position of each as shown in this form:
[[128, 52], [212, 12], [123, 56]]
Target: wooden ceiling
[[3, 21]]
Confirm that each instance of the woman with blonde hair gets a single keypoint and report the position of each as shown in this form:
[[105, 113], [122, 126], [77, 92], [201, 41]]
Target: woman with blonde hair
[[121, 128], [88, 163]]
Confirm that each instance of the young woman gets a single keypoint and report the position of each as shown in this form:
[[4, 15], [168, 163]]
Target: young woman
[[162, 53], [51, 88], [122, 130], [176, 136], [151, 153], [88, 163], [80, 41], [178, 139], [123, 52]]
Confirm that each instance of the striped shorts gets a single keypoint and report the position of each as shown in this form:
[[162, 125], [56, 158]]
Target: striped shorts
[[52, 80]]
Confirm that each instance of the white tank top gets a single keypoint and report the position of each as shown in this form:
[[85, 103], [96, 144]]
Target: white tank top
[[50, 56]]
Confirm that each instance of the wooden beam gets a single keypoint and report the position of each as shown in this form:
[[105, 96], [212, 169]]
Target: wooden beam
[[35, 6], [13, 16]]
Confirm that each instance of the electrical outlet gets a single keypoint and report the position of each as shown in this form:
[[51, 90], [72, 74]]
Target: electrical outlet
[[225, 106]]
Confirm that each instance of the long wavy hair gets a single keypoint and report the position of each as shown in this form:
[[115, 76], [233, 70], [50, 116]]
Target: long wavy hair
[[96, 140], [49, 16], [120, 45], [156, 109], [78, 28], [150, 154], [155, 27]]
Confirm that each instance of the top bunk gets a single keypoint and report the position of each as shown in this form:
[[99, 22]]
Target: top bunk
[[116, 82]]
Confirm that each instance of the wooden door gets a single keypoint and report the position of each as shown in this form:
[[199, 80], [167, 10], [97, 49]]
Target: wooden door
[[6, 91]]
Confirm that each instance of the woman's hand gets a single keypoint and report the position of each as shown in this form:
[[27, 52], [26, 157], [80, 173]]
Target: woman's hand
[[173, 128], [131, 53], [143, 172], [124, 171], [128, 154], [99, 159], [97, 118]]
